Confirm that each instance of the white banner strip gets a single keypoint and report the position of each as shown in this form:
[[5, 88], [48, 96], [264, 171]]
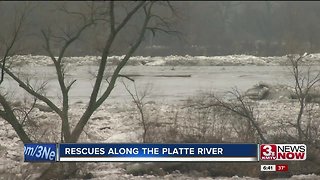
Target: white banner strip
[[153, 159]]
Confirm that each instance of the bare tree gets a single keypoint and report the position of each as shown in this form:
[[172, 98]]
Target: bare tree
[[138, 99], [151, 22], [304, 82], [117, 19]]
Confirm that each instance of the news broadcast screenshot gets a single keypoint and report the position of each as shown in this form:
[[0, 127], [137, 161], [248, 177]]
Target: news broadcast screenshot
[[159, 90]]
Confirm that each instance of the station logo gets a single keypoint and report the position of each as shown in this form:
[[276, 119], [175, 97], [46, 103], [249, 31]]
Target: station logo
[[273, 152]]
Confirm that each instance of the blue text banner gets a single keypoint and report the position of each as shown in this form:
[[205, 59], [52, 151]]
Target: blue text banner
[[158, 152]]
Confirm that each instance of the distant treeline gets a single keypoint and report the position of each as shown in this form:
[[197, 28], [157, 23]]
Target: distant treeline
[[206, 28]]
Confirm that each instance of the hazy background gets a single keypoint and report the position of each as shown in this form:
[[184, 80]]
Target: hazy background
[[207, 28]]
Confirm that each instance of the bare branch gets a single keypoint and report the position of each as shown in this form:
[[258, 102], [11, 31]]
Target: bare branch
[[138, 101], [105, 54], [240, 107], [120, 75], [112, 18], [47, 46], [17, 30], [65, 10], [125, 59], [303, 84], [9, 116], [69, 86], [94, 103], [33, 92]]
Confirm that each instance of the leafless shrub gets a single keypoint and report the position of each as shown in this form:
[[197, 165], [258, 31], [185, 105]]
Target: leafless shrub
[[204, 124], [305, 81], [139, 100], [241, 108], [201, 120]]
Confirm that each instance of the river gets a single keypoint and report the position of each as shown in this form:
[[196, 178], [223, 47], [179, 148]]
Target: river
[[216, 79]]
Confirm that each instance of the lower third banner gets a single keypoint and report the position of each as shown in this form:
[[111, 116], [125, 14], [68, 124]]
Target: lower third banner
[[157, 152]]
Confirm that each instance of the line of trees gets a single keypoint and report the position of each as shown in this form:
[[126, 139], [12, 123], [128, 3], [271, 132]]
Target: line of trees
[[259, 28], [209, 28]]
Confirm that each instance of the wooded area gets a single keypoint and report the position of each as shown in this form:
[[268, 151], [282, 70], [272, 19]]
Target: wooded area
[[207, 28]]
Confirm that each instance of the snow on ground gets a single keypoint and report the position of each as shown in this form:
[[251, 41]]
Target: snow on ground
[[173, 60], [114, 123], [119, 122]]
